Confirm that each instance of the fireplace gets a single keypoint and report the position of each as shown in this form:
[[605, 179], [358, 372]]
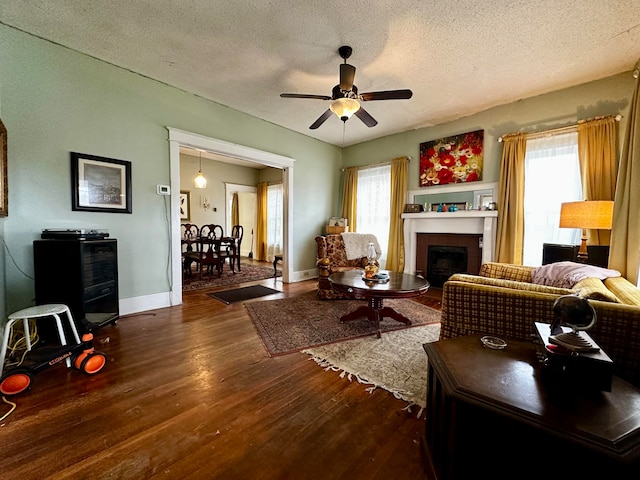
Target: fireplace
[[473, 229], [440, 255], [443, 261]]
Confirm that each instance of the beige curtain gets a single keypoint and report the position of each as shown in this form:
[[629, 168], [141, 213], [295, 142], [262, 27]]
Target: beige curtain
[[399, 179], [598, 165], [349, 195], [510, 235], [624, 254], [235, 213], [261, 222]]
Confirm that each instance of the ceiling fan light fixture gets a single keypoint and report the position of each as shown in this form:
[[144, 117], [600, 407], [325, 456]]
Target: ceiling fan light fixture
[[200, 181], [344, 108]]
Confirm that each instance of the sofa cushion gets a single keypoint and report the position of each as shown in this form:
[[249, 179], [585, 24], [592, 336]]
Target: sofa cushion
[[567, 274], [514, 285], [593, 289], [506, 271], [626, 291]]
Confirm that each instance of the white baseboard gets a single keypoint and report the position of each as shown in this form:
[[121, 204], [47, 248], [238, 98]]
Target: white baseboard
[[144, 303], [162, 300], [303, 275]]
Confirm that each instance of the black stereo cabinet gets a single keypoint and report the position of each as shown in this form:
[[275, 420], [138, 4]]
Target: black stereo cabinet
[[82, 274]]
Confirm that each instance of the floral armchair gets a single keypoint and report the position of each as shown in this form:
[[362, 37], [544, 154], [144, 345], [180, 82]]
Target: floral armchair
[[331, 257]]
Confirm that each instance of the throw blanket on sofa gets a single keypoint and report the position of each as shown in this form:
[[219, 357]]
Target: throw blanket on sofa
[[356, 245], [567, 274]]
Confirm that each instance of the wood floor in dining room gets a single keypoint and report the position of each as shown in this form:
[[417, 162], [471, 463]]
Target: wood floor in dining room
[[189, 392]]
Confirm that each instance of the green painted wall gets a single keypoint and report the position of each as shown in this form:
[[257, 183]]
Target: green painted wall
[[609, 96], [217, 174], [54, 101]]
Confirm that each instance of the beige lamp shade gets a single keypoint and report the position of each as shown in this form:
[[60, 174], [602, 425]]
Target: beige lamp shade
[[592, 214]]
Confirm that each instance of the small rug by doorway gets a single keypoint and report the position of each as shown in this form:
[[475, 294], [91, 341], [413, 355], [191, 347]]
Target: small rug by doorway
[[292, 324], [242, 294], [395, 362], [249, 273]]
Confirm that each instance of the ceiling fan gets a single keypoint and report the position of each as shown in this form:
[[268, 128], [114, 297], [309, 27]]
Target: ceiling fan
[[345, 96]]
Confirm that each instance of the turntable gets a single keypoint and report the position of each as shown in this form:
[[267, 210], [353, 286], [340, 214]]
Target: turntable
[[74, 234]]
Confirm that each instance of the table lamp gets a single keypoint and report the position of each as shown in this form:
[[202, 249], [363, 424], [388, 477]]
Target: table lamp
[[588, 214]]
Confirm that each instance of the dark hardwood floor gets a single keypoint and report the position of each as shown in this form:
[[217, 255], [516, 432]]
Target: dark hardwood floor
[[189, 392]]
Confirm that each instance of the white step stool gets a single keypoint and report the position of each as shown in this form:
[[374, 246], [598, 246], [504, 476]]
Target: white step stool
[[50, 310]]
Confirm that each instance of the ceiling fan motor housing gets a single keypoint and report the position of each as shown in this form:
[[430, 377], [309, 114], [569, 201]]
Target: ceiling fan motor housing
[[345, 52]]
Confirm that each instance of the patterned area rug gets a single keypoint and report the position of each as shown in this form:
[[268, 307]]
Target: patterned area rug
[[395, 362], [292, 324], [249, 273]]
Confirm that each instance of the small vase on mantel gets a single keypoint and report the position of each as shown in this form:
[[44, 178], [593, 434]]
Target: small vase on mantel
[[371, 270]]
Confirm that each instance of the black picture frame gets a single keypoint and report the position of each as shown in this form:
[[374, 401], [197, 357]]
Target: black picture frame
[[100, 184], [185, 206], [4, 189]]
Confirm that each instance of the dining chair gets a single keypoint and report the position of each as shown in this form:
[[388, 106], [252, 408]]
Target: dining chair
[[189, 234], [209, 252], [232, 248]]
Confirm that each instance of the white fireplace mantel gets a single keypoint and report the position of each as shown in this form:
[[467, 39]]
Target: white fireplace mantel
[[483, 222]]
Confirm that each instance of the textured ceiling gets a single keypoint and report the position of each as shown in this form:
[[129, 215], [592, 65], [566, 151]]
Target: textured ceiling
[[458, 56]]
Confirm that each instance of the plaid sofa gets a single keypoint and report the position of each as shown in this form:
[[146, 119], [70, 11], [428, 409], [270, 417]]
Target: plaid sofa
[[331, 257], [502, 301]]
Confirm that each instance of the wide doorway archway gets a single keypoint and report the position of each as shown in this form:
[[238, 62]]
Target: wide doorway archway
[[179, 138]]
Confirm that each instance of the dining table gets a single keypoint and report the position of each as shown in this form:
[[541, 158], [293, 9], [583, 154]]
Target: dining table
[[198, 244]]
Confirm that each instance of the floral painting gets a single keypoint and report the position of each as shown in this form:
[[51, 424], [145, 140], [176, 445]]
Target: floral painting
[[456, 159]]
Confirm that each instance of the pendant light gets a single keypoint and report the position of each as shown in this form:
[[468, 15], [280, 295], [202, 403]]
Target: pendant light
[[200, 181]]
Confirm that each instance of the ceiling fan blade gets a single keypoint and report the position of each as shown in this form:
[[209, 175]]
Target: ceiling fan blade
[[387, 95], [367, 119], [323, 118], [304, 95], [347, 74]]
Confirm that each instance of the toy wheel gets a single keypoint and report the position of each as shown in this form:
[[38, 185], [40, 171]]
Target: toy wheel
[[15, 382], [76, 360], [92, 362]]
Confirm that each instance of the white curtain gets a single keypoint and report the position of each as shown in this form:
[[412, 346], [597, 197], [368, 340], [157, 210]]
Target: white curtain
[[274, 221], [551, 177], [373, 205]]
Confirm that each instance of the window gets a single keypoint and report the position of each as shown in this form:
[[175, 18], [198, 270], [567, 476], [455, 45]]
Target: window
[[274, 220], [551, 177], [373, 211]]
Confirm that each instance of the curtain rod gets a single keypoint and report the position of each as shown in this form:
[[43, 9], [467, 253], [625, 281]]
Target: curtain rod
[[556, 131], [383, 164]]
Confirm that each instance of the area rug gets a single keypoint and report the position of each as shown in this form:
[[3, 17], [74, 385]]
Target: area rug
[[395, 362], [291, 324], [249, 273], [242, 294]]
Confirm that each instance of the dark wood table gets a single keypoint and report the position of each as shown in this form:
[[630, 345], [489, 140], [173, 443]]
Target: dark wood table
[[400, 285], [207, 246], [490, 410]]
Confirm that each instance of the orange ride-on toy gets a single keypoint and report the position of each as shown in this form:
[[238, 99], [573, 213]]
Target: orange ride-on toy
[[83, 357]]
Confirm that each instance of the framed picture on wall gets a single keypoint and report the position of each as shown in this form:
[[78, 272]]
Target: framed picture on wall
[[4, 191], [455, 159], [185, 205], [100, 184]]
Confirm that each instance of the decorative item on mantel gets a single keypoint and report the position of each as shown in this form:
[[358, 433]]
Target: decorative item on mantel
[[455, 159]]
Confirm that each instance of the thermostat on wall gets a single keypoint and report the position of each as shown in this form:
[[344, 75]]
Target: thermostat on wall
[[164, 189]]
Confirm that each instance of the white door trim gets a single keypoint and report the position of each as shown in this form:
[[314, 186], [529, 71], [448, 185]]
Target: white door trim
[[180, 137]]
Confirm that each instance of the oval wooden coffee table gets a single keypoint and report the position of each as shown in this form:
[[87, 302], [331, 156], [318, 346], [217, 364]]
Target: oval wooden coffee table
[[400, 285]]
